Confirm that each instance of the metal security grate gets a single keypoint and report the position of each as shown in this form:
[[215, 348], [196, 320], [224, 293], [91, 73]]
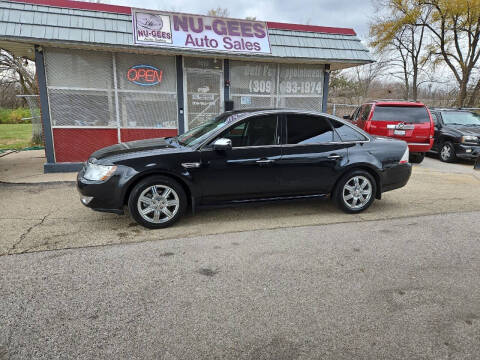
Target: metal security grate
[[82, 108], [276, 85], [94, 101], [253, 84], [147, 106], [301, 102], [86, 89], [147, 110], [77, 69]]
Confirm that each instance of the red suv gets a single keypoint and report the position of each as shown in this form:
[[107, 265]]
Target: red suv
[[409, 121]]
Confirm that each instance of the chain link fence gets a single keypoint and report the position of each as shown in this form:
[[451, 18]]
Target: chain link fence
[[33, 102], [341, 110]]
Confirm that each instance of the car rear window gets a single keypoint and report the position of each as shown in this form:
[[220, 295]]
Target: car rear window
[[347, 133], [407, 114]]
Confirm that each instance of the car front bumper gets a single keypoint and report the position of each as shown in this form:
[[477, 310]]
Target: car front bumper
[[106, 196], [465, 151]]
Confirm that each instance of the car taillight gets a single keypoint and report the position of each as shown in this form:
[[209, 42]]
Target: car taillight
[[404, 159]]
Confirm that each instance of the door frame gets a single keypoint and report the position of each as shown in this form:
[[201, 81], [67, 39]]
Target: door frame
[[185, 88]]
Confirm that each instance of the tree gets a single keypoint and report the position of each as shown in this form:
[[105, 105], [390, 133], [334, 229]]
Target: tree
[[220, 12], [16, 70], [364, 76], [455, 29], [397, 33], [475, 97]]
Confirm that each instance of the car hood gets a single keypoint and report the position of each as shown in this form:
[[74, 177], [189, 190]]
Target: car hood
[[466, 130], [133, 147]]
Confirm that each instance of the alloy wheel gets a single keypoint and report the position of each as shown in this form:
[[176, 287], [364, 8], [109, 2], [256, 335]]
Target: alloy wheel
[[446, 152], [357, 192], [158, 204]]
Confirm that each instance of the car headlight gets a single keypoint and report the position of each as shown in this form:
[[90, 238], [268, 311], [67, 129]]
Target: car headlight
[[97, 172], [469, 139]]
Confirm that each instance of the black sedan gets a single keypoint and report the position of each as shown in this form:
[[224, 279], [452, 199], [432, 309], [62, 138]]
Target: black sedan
[[240, 157], [457, 134]]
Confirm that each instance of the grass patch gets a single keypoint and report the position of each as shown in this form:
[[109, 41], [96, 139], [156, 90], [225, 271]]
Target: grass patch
[[15, 136], [14, 116]]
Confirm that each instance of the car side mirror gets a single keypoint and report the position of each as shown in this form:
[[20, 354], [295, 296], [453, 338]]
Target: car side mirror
[[347, 117], [222, 144]]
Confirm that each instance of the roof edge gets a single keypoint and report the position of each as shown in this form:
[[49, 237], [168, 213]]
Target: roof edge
[[311, 28], [126, 10], [335, 63], [80, 5]]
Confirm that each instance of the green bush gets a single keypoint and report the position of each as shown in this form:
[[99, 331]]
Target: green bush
[[14, 116]]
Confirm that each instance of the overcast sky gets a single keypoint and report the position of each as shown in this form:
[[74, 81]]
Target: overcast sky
[[341, 13]]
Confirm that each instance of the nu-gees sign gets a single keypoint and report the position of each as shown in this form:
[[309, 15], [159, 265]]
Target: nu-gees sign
[[199, 32]]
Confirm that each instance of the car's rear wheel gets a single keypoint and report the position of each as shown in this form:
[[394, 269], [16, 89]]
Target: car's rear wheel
[[157, 202], [355, 192], [447, 153], [417, 158]]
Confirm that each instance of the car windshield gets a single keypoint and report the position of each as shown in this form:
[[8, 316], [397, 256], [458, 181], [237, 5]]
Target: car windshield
[[198, 134], [464, 118]]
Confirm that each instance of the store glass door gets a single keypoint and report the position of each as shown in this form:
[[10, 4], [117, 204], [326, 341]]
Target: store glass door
[[204, 90]]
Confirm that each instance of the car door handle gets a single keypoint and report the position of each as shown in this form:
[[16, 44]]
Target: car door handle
[[335, 157], [265, 161]]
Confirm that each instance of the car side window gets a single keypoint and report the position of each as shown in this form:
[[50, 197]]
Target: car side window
[[356, 112], [436, 118], [308, 129], [365, 112], [347, 133], [257, 131]]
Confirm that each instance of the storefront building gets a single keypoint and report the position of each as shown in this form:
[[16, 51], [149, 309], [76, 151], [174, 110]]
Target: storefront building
[[110, 74]]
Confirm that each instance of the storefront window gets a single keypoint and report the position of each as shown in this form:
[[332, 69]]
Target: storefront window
[[255, 84], [84, 92], [82, 108], [80, 88], [147, 90]]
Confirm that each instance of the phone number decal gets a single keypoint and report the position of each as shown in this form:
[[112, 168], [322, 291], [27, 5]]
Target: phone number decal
[[301, 87]]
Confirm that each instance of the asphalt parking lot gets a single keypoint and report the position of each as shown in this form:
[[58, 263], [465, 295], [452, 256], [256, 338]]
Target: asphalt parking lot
[[387, 289], [48, 216], [297, 280]]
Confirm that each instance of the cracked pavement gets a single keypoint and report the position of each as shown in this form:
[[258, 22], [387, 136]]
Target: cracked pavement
[[49, 216], [389, 289], [296, 280]]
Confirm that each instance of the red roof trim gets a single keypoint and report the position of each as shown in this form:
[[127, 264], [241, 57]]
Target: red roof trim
[[80, 5], [128, 10], [311, 28]]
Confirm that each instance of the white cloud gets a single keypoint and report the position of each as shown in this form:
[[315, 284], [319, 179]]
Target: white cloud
[[336, 13]]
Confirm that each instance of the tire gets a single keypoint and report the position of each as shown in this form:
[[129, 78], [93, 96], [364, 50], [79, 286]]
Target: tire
[[153, 195], [447, 153], [342, 195], [417, 158]]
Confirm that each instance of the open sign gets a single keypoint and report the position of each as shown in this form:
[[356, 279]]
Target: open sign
[[144, 75]]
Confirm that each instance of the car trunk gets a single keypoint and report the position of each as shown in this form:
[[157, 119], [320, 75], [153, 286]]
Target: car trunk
[[409, 123]]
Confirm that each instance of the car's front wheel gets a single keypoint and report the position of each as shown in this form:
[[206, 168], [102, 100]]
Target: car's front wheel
[[447, 153], [355, 192], [157, 202]]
